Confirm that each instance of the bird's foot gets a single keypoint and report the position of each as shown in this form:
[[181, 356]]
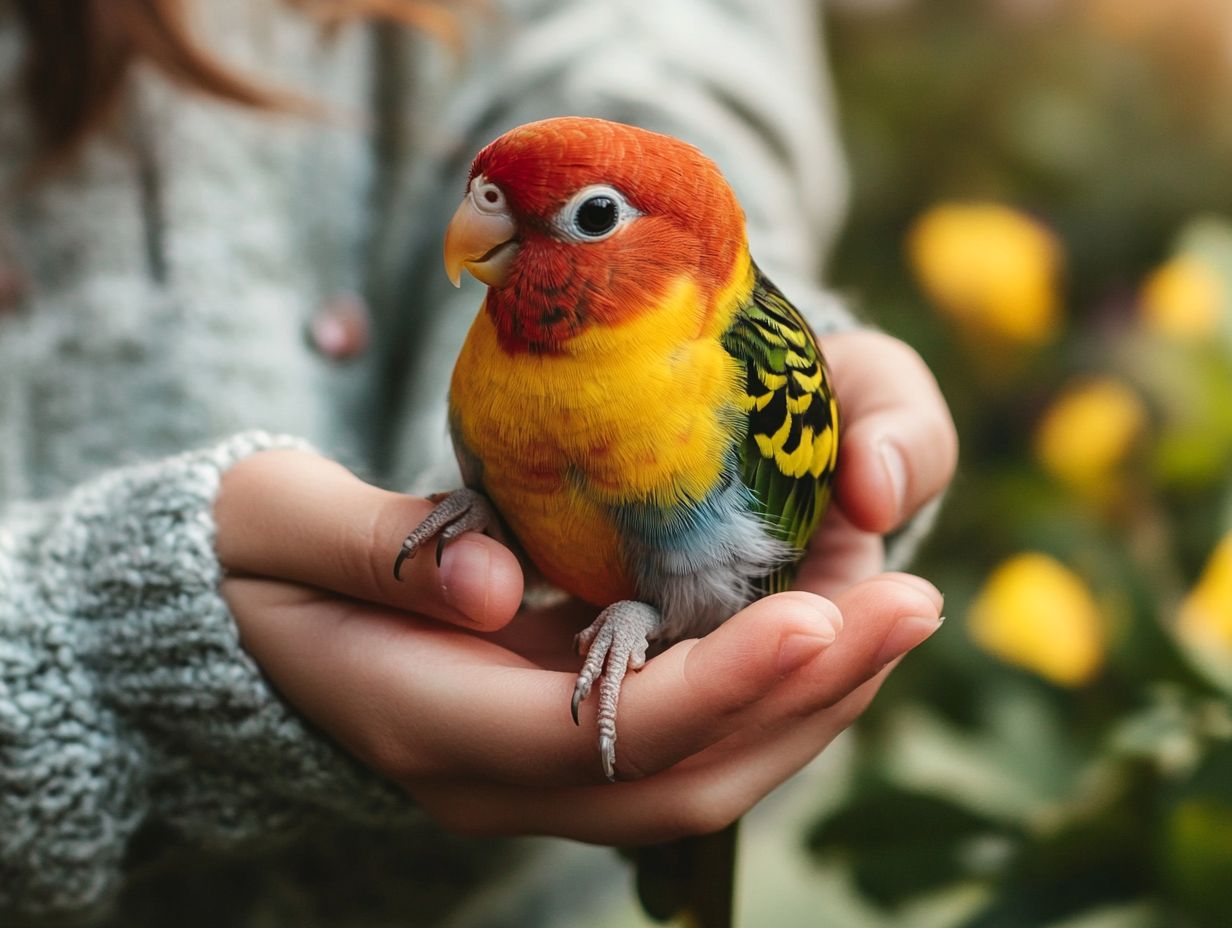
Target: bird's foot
[[614, 643], [455, 513]]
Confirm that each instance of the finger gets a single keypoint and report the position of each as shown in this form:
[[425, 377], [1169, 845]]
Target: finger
[[680, 702], [414, 698], [704, 793], [765, 664], [725, 673], [700, 691], [899, 447], [297, 516], [697, 797], [884, 618], [373, 678], [796, 721]]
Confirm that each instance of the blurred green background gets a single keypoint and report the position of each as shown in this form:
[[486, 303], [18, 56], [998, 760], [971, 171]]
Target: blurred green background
[[1041, 206], [1042, 203]]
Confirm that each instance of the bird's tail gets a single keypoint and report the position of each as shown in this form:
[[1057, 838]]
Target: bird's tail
[[690, 882]]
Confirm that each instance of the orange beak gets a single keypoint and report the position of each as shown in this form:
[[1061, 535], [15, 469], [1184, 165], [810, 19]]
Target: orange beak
[[481, 237]]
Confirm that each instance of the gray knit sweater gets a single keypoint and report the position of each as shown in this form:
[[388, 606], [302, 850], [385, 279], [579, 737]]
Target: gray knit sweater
[[147, 769]]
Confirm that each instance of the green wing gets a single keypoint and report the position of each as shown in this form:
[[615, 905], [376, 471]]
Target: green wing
[[788, 454]]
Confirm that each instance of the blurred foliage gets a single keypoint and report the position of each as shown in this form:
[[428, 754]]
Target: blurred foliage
[[1042, 205]]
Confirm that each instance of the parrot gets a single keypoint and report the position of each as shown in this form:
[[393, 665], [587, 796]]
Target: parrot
[[639, 406]]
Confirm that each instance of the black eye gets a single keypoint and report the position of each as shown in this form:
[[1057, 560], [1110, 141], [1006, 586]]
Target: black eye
[[596, 216]]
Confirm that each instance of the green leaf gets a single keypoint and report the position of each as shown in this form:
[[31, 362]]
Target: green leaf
[[1014, 767], [1173, 731], [901, 845]]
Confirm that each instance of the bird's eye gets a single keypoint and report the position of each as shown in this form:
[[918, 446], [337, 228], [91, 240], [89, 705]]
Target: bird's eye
[[594, 213], [596, 216]]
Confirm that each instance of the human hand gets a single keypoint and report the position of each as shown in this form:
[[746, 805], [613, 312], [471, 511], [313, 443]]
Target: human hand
[[477, 728], [296, 516]]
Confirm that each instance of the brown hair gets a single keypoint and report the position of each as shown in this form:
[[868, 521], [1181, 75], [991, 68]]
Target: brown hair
[[81, 51]]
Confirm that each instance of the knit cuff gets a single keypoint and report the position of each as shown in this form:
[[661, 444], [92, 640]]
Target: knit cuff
[[125, 696]]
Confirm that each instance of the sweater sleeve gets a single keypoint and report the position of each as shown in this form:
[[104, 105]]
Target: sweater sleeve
[[125, 698]]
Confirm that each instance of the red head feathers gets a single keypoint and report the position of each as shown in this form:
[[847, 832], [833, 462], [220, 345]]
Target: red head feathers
[[577, 222]]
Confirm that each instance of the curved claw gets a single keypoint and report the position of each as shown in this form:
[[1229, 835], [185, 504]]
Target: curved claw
[[579, 693], [454, 513], [407, 551], [607, 752]]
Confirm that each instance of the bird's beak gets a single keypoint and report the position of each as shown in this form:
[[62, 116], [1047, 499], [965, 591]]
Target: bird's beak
[[481, 236]]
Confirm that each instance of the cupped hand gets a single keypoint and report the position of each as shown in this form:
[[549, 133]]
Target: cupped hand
[[477, 727]]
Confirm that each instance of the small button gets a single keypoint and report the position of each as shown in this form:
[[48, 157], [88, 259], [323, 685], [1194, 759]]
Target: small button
[[342, 328]]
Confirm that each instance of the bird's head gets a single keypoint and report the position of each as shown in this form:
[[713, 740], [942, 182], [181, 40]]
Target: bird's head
[[576, 222]]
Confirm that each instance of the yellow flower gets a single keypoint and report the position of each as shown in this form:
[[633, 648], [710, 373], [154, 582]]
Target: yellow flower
[[1205, 618], [1183, 299], [1036, 613], [1088, 431], [989, 267]]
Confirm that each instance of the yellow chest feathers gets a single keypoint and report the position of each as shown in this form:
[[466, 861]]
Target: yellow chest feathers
[[639, 412]]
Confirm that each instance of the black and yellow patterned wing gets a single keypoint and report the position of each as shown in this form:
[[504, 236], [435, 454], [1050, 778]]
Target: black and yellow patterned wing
[[788, 455]]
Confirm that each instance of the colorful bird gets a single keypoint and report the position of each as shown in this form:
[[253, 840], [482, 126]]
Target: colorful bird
[[649, 415]]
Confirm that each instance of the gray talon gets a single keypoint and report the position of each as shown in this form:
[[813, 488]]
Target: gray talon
[[613, 644], [455, 514], [607, 751], [579, 693], [408, 550]]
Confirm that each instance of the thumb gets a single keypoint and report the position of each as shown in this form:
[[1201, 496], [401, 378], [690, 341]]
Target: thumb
[[293, 515]]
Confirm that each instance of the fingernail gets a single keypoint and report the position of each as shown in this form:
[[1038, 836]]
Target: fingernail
[[465, 567], [924, 586], [896, 472], [909, 632], [797, 648]]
